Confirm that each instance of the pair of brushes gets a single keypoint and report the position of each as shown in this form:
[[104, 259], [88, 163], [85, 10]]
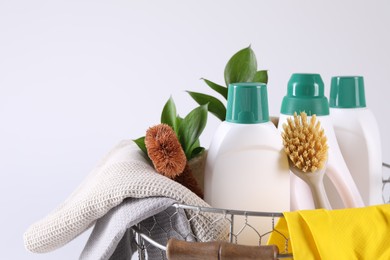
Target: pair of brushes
[[306, 146]]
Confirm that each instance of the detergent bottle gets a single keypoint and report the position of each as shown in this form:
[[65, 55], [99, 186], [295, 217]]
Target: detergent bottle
[[358, 135], [305, 93], [246, 166]]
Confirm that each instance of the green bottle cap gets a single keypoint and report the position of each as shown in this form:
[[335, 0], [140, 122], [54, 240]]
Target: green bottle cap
[[305, 93], [247, 103], [347, 92]]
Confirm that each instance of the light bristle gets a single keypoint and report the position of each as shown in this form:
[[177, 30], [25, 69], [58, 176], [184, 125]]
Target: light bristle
[[305, 142]]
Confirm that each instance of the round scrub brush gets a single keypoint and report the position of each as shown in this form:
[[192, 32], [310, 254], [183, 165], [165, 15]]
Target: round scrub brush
[[306, 146], [167, 155]]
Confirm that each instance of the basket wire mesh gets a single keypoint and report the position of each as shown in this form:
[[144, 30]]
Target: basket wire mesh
[[386, 183], [149, 248], [145, 231]]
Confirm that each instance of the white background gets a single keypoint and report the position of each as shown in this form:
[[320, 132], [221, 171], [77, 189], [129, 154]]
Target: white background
[[76, 77]]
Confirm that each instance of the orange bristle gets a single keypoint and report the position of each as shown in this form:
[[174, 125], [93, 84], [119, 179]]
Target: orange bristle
[[165, 151]]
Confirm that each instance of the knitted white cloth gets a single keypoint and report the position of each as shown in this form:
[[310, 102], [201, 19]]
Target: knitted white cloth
[[123, 173], [111, 238]]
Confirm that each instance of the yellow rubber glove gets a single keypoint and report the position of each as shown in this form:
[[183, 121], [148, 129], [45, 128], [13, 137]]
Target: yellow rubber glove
[[357, 233]]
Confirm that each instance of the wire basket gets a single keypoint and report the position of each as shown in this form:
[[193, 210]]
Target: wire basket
[[386, 183], [159, 249], [237, 222]]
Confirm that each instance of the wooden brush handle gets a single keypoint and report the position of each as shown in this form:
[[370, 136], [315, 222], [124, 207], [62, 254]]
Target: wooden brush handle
[[218, 250]]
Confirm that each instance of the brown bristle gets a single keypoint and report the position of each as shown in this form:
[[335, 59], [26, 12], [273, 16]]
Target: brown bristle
[[165, 151], [305, 143]]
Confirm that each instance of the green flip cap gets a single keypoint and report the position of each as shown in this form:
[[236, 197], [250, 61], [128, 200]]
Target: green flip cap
[[247, 103], [347, 92], [305, 93]]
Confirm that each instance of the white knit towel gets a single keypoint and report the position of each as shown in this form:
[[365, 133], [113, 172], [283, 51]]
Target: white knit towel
[[111, 238], [124, 172]]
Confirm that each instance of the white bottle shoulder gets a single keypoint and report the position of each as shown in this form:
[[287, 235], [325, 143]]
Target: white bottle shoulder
[[233, 137]]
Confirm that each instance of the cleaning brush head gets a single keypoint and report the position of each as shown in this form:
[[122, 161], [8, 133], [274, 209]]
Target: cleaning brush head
[[305, 143]]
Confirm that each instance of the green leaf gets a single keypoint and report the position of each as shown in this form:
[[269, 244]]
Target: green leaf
[[241, 67], [215, 106], [193, 148], [141, 144], [178, 121], [196, 144], [218, 88], [261, 76], [168, 115], [191, 128], [196, 151]]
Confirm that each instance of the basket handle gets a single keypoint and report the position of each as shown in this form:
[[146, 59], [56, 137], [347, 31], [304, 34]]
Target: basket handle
[[218, 250]]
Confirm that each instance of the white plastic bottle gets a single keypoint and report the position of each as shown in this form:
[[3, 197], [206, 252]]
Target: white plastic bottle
[[305, 92], [358, 135], [246, 166]]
